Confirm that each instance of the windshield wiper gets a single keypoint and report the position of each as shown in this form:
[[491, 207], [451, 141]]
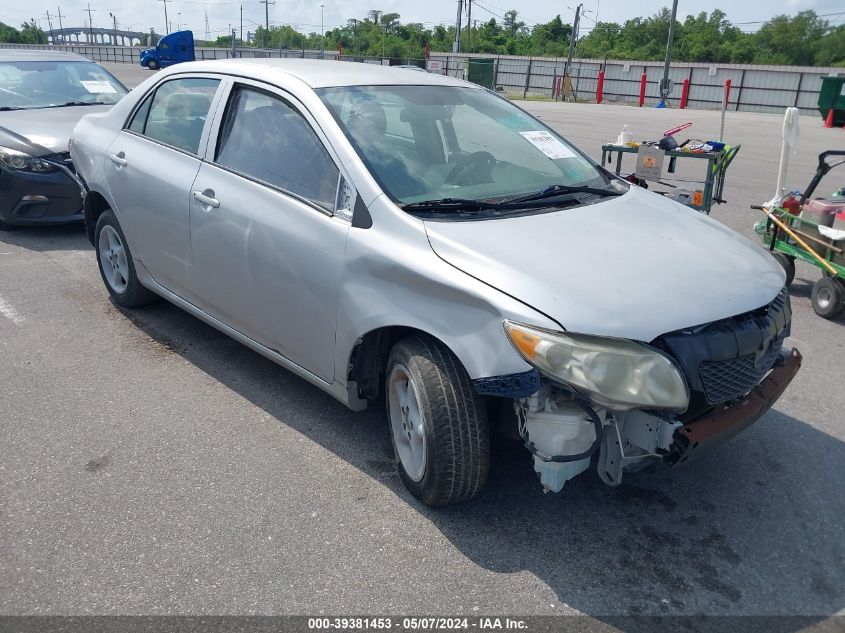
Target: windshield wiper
[[563, 190], [448, 204], [76, 103]]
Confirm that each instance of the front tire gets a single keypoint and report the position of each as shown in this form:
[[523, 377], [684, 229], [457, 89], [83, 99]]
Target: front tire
[[116, 266], [152, 64], [828, 297], [439, 427]]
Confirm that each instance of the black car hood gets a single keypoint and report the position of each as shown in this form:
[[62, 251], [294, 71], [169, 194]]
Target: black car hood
[[42, 131]]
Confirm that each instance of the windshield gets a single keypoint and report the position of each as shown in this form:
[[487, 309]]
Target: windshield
[[44, 84], [443, 142]]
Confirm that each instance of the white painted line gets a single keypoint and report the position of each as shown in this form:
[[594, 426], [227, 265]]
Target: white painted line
[[8, 311]]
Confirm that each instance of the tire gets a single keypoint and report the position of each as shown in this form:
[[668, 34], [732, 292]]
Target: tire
[[152, 64], [453, 442], [788, 265], [828, 297], [117, 269]]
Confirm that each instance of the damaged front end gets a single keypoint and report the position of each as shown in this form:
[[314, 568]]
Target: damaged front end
[[577, 406]]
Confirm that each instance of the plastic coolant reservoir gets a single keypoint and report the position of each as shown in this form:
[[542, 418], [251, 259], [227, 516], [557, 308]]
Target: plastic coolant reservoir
[[560, 428]]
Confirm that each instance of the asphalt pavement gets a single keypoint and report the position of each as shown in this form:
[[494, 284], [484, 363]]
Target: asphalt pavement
[[151, 465]]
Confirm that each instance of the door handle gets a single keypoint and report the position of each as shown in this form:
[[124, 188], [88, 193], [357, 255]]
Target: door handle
[[206, 197], [119, 159]]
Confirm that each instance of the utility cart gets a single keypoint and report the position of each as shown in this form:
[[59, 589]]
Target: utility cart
[[816, 236], [715, 164]]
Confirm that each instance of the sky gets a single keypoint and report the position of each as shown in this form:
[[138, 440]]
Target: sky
[[305, 15]]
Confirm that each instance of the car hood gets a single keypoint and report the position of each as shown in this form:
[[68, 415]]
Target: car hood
[[635, 267], [43, 130]]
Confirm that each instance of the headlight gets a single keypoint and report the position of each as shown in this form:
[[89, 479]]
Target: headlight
[[616, 373], [13, 159]]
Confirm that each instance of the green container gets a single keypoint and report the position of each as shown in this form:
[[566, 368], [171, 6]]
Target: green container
[[832, 95], [483, 72]]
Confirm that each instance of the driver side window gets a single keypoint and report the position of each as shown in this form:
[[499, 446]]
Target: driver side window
[[265, 138]]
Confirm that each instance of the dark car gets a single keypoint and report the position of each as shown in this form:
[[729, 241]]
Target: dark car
[[42, 96]]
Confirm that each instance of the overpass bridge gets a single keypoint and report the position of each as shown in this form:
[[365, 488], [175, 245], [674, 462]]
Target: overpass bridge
[[98, 35]]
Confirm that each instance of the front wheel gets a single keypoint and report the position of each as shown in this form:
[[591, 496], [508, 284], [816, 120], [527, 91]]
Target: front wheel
[[116, 266], [828, 297], [439, 427], [152, 64]]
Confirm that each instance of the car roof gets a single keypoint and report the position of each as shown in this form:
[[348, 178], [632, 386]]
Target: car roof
[[319, 73], [39, 55]]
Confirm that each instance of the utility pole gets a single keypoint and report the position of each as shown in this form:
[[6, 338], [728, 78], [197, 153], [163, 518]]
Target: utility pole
[[664, 83], [114, 30], [456, 46], [207, 35], [166, 21], [242, 25], [61, 28], [469, 26], [50, 24], [90, 23], [266, 4], [322, 30], [573, 37], [179, 21]]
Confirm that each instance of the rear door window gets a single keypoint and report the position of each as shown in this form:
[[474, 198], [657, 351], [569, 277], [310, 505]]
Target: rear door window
[[177, 112]]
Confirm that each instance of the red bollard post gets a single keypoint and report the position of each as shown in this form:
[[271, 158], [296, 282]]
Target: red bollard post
[[642, 89], [600, 87], [684, 94], [727, 93]]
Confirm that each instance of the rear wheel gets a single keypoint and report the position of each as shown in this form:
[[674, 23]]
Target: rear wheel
[[116, 266], [438, 424], [788, 265], [828, 297]]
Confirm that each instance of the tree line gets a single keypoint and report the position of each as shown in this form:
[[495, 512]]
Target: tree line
[[805, 38]]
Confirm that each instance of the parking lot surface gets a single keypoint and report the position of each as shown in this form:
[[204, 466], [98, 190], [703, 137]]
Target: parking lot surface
[[149, 464]]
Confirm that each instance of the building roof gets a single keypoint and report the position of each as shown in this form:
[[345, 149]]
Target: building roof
[[319, 73]]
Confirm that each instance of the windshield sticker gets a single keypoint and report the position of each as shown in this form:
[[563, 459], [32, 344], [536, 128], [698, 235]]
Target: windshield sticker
[[98, 87], [548, 144], [515, 122]]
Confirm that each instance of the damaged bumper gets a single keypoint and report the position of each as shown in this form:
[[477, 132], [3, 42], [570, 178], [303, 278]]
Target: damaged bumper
[[696, 438]]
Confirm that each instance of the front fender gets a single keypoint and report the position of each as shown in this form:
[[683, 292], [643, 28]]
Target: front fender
[[393, 278]]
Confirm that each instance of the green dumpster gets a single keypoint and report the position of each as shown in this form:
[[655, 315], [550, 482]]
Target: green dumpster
[[832, 95], [482, 72]]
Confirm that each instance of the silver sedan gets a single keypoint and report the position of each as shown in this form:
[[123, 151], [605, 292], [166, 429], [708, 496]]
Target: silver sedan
[[418, 240]]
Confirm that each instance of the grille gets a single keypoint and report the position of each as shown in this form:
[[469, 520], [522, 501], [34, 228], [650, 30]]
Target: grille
[[730, 379], [726, 359]]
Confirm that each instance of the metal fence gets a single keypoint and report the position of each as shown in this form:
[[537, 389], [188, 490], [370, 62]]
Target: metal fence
[[755, 88]]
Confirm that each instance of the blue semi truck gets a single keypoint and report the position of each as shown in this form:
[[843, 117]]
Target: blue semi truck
[[171, 49]]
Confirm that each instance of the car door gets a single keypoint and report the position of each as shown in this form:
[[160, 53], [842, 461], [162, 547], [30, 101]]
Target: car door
[[154, 161], [267, 244]]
